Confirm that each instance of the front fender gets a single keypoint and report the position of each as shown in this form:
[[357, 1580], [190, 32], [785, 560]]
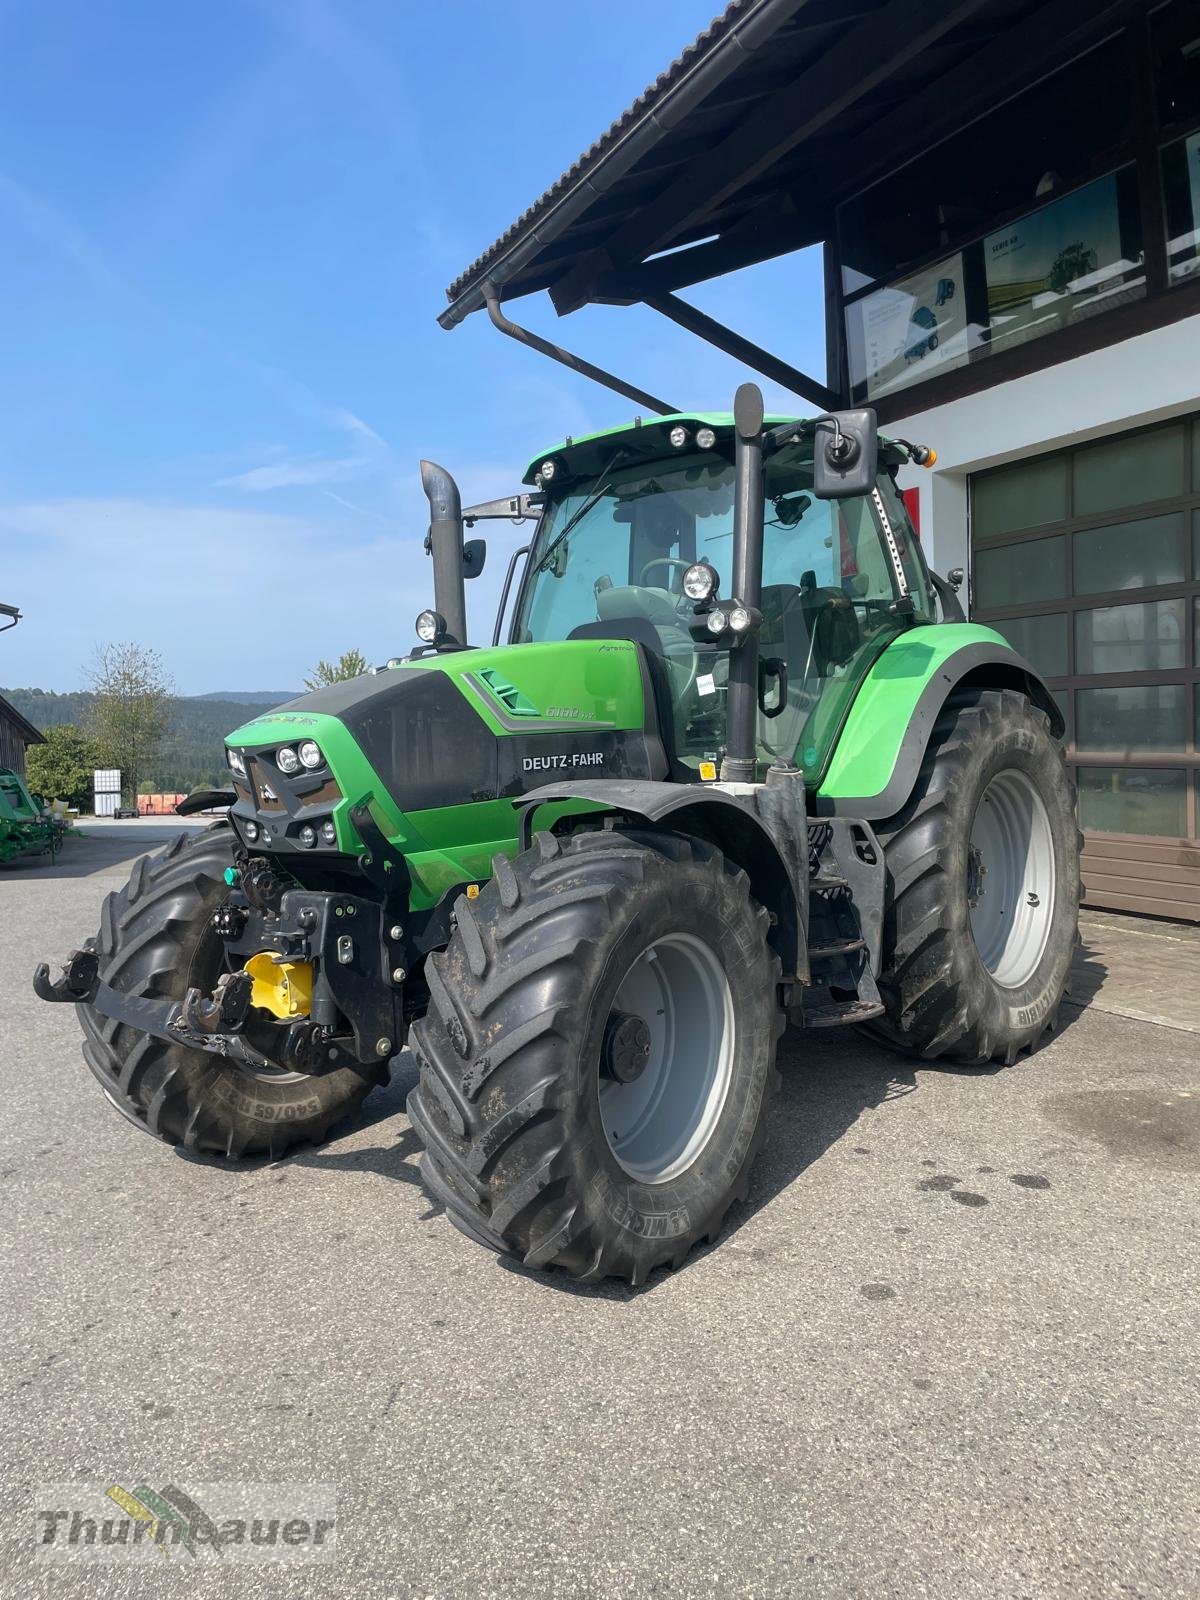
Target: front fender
[[771, 849], [883, 740]]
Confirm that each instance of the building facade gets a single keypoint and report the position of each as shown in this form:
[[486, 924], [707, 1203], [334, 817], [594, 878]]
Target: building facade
[[1062, 393]]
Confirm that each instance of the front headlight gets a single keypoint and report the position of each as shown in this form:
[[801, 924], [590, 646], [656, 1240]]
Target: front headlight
[[310, 754], [236, 763], [700, 581], [431, 627], [287, 760]]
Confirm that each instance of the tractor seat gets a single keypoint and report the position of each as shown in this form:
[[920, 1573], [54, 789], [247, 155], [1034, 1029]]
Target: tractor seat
[[658, 606]]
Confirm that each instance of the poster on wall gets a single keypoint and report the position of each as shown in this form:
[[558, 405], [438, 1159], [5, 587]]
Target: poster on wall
[[1049, 266], [908, 331], [1184, 249]]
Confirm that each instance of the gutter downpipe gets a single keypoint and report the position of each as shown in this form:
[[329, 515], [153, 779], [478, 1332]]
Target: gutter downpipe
[[576, 363]]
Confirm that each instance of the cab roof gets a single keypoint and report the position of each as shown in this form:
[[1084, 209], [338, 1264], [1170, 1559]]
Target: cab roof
[[587, 454]]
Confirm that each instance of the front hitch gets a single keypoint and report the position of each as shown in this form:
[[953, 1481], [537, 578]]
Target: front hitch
[[77, 986], [223, 1023]]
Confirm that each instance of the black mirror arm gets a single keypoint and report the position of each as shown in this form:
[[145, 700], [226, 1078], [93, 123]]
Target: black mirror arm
[[514, 508], [947, 593], [787, 432]]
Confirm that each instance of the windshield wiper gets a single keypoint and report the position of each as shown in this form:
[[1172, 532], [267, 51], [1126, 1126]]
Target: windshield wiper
[[601, 484]]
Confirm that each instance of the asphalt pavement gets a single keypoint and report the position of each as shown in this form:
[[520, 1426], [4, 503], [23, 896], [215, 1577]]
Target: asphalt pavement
[[948, 1348]]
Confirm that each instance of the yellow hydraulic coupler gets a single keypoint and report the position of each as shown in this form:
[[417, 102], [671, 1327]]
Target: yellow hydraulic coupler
[[283, 988]]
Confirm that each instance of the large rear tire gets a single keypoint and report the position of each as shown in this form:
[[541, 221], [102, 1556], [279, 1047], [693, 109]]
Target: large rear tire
[[598, 1053], [156, 941], [983, 886]]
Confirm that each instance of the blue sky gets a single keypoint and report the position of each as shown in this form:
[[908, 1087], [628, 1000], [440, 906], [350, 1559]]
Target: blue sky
[[226, 227]]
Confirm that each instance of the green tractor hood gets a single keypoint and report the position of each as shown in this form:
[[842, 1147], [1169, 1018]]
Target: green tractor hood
[[438, 748]]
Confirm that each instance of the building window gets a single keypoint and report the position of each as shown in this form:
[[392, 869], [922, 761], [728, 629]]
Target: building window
[[1067, 260], [1181, 196], [1029, 221]]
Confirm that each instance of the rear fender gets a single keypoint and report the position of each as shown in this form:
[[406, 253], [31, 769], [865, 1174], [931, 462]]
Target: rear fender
[[884, 738]]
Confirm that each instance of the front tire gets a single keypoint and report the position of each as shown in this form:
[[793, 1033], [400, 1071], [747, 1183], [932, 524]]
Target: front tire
[[983, 886], [598, 1053], [156, 941]]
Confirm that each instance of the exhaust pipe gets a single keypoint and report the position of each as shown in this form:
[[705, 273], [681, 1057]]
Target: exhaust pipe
[[445, 545], [741, 763]]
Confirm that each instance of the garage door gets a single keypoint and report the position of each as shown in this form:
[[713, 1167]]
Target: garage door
[[1088, 561]]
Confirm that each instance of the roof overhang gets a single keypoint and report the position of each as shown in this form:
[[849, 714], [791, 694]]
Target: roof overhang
[[742, 149], [26, 731]]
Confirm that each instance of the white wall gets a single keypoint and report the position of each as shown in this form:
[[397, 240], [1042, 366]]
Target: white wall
[[1141, 380]]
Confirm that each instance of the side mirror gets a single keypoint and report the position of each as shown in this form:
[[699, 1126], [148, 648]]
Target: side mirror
[[474, 556], [845, 454]]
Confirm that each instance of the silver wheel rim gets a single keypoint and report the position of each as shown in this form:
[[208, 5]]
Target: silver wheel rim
[[1010, 879], [658, 1124]]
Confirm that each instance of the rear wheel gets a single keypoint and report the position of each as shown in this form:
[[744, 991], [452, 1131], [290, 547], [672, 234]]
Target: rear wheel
[[983, 886], [156, 941], [598, 1052]]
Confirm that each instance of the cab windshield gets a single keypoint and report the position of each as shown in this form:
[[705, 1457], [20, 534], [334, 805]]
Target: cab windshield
[[615, 549]]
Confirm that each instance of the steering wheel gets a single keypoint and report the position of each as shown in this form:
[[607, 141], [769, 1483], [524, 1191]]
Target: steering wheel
[[662, 561]]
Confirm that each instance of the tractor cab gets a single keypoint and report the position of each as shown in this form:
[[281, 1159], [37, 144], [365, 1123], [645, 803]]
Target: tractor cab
[[636, 539]]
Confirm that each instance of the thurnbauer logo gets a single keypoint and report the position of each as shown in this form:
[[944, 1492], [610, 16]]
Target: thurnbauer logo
[[169, 1519]]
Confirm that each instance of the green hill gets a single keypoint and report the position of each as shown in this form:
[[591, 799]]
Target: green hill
[[192, 753], [251, 697]]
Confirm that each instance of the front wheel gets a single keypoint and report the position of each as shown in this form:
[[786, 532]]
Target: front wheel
[[156, 941], [598, 1052], [983, 886]]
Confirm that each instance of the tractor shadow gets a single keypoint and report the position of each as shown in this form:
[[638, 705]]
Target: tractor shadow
[[829, 1079], [396, 1159], [1087, 977]]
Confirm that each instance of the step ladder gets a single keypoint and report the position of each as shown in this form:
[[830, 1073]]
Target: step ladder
[[845, 916]]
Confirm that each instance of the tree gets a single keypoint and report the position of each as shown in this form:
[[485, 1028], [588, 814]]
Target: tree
[[61, 769], [131, 711], [352, 664]]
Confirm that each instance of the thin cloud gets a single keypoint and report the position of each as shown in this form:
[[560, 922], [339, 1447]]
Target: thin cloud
[[179, 578], [295, 473], [362, 511], [374, 77], [57, 232], [183, 579]]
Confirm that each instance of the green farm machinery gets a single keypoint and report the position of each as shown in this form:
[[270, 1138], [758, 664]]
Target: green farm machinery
[[25, 829], [738, 759]]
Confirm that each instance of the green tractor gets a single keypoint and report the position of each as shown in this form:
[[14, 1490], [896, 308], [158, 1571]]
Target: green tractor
[[727, 769]]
